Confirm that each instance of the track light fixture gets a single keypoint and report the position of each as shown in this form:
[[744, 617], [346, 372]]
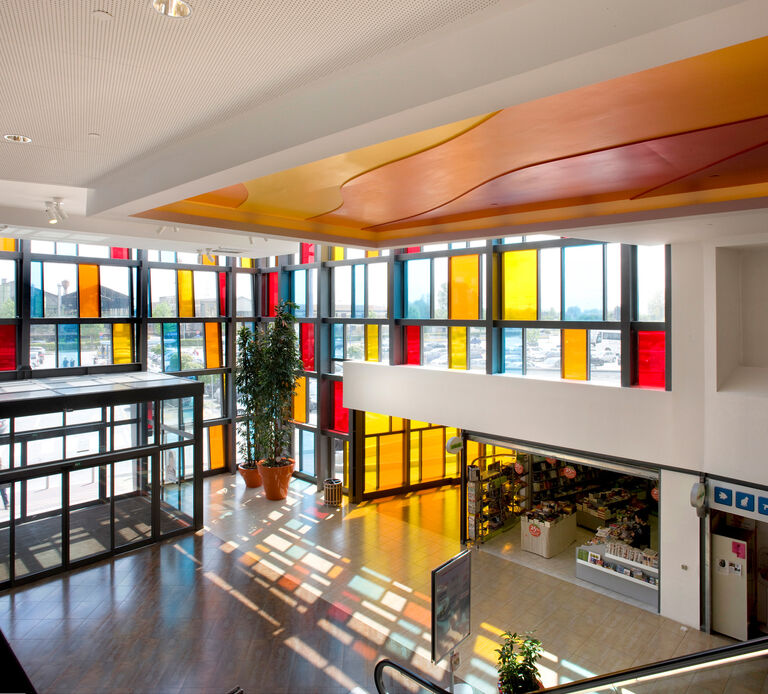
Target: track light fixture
[[55, 211]]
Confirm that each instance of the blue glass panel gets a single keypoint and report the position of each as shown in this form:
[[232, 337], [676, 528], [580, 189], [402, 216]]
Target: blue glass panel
[[69, 345], [513, 350], [308, 452], [37, 290], [338, 341], [300, 292], [359, 290], [171, 360], [418, 284]]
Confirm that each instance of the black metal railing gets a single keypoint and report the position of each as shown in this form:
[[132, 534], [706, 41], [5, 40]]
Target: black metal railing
[[392, 678]]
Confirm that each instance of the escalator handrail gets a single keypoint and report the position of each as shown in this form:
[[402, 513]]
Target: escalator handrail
[[662, 666], [379, 671]]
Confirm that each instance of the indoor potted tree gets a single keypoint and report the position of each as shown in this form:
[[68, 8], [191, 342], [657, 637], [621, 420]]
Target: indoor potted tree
[[268, 364], [516, 664]]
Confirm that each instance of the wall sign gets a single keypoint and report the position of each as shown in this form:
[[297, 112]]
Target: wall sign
[[569, 472], [734, 498], [535, 530], [519, 469], [655, 493]]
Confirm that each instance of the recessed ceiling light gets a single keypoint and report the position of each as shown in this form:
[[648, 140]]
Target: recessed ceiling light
[[172, 8], [22, 139], [94, 136], [101, 15]]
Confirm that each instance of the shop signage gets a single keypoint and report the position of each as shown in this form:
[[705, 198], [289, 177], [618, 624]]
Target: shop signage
[[519, 469], [569, 472], [743, 501], [655, 493], [535, 530]]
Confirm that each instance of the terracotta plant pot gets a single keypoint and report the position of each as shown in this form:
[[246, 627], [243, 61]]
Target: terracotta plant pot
[[277, 479], [251, 475]]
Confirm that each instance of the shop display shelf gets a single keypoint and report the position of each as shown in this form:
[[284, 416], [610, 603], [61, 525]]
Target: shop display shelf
[[616, 573], [636, 564]]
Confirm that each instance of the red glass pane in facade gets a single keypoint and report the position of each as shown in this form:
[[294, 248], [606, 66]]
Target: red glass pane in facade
[[120, 253], [340, 413], [307, 253], [307, 339], [413, 249], [222, 293], [412, 344], [269, 294], [651, 358], [7, 347]]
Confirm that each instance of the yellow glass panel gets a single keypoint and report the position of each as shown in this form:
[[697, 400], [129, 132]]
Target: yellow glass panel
[[88, 283], [398, 424], [371, 463], [8, 245], [391, 461], [464, 291], [371, 343], [414, 457], [376, 423], [186, 298], [457, 345], [415, 424], [452, 460], [246, 262], [371, 254], [432, 454], [300, 400], [520, 285], [122, 343], [346, 464], [212, 346], [216, 446], [209, 259], [473, 451], [575, 355], [337, 252]]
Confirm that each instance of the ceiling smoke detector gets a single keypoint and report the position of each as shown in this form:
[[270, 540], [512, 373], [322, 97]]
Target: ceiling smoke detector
[[177, 9], [21, 139]]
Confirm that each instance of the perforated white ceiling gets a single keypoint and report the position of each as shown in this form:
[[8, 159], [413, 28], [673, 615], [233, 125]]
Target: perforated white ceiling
[[141, 80]]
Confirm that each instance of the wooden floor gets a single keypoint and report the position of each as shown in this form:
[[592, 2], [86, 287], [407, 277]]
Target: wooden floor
[[297, 597]]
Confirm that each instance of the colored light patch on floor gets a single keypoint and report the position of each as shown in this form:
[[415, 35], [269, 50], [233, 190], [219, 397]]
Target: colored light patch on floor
[[418, 614], [317, 563], [277, 542], [365, 587], [296, 552]]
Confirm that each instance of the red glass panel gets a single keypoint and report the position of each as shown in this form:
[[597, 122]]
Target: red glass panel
[[307, 339], [413, 249], [340, 413], [222, 293], [7, 347], [307, 253], [273, 296], [412, 344], [120, 253], [651, 358]]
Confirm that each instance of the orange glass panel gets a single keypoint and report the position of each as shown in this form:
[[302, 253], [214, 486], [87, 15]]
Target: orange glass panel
[[371, 462], [337, 252], [414, 457], [209, 259], [122, 343], [520, 285], [457, 344], [212, 345], [88, 282], [186, 297], [432, 454], [300, 400], [8, 245], [575, 355], [398, 424], [376, 423], [246, 262], [371, 343], [452, 461], [216, 446], [391, 461], [371, 254], [464, 289]]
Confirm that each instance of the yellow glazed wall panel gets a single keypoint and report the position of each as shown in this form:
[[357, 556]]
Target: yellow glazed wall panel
[[464, 287], [186, 295], [520, 285], [575, 355], [371, 343], [457, 341]]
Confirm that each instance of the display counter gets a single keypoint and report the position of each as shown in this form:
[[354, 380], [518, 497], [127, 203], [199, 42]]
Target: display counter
[[547, 538], [633, 579]]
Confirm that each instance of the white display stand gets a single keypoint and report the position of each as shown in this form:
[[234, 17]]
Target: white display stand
[[547, 538], [624, 584]]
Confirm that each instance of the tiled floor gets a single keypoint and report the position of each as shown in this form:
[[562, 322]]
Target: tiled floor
[[297, 597]]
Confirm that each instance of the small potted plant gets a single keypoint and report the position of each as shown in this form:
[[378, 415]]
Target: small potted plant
[[516, 665], [268, 364]]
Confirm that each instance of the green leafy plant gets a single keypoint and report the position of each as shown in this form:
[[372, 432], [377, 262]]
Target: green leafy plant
[[516, 664], [268, 365]]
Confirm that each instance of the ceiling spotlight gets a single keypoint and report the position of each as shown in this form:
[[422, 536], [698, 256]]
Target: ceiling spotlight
[[172, 8], [55, 211], [21, 139]]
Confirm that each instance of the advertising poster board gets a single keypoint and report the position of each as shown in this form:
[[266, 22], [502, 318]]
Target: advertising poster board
[[451, 583]]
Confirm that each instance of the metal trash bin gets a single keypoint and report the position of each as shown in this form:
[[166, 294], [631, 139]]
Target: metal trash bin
[[332, 488]]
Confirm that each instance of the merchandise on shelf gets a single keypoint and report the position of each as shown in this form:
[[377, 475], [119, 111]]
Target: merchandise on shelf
[[549, 511], [597, 558], [646, 557]]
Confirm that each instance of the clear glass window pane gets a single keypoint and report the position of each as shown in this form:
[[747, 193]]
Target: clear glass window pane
[[440, 270], [384, 349], [359, 291], [605, 356], [650, 283], [45, 247], [155, 347], [308, 452], [42, 346], [584, 282], [85, 250], [312, 415], [7, 289], [162, 286], [355, 348], [477, 349], [513, 350], [312, 293], [244, 294], [66, 248], [213, 396], [192, 346], [355, 253], [542, 353], [187, 258], [549, 278], [60, 289], [115, 291], [418, 288], [435, 346], [613, 281], [377, 290], [300, 292], [338, 341], [206, 294], [95, 344], [342, 291]]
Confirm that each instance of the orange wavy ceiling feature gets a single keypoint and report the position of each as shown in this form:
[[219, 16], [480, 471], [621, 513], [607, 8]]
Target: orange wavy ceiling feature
[[658, 167], [708, 90], [231, 196]]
